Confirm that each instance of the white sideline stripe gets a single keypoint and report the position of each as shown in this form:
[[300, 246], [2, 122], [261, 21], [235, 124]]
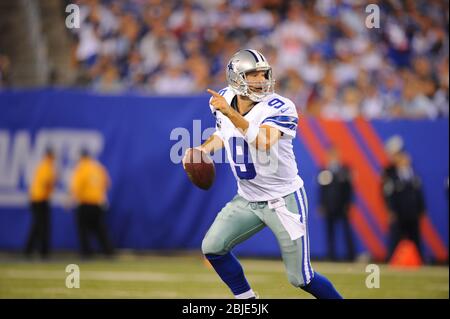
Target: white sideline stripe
[[21, 199], [116, 293], [117, 276], [13, 199]]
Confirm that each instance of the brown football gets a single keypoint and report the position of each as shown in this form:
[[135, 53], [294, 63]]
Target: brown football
[[199, 168]]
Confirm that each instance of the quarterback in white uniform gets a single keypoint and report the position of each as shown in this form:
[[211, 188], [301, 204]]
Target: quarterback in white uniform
[[262, 176], [256, 126]]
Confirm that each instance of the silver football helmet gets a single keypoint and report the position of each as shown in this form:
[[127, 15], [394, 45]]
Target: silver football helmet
[[240, 64]]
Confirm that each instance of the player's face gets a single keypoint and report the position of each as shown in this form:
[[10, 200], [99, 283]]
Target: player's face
[[256, 80]]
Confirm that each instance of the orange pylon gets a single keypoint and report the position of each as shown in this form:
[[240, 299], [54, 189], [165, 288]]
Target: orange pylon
[[406, 255]]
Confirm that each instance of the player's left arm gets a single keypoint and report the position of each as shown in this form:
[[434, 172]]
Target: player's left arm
[[267, 136], [262, 137]]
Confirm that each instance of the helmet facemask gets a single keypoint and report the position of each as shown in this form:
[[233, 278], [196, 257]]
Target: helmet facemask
[[258, 90]]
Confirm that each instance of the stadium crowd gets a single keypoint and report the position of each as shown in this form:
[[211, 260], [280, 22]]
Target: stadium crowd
[[324, 56]]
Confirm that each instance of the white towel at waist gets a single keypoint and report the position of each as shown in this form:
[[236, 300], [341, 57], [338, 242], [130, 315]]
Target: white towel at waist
[[290, 221]]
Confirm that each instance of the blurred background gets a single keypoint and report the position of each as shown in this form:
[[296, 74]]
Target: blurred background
[[125, 81]]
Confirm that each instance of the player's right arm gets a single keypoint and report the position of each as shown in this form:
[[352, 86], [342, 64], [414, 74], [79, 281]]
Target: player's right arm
[[212, 144]]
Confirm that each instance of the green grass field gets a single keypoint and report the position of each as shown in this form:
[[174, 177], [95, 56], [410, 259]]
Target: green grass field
[[188, 276]]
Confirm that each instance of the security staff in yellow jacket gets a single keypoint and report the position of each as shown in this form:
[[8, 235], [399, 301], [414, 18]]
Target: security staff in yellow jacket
[[40, 191], [89, 185]]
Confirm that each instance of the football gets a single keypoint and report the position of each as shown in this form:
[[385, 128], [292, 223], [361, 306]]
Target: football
[[199, 168]]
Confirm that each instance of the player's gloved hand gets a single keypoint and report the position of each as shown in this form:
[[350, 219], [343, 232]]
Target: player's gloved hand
[[219, 102]]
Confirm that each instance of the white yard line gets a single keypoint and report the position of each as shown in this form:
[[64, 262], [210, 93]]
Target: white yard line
[[116, 276], [356, 269]]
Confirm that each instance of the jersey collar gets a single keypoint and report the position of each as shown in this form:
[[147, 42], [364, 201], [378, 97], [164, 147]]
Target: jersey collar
[[234, 105]]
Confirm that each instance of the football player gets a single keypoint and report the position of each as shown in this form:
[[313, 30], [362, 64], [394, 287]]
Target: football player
[[256, 126]]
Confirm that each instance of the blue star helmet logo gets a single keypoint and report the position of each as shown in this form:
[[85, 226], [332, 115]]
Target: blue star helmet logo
[[230, 66]]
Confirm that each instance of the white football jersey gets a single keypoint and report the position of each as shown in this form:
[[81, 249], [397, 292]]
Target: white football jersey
[[262, 175]]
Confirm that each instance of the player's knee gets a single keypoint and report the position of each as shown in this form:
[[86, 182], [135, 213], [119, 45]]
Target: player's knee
[[295, 280], [213, 245]]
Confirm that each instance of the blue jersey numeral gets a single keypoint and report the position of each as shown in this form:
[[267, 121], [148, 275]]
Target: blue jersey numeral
[[242, 158], [276, 103]]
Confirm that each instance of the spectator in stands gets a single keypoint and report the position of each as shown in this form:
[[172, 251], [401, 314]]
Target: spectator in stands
[[415, 103], [109, 80], [372, 104], [40, 191], [310, 38], [89, 185], [174, 80], [440, 98], [5, 69], [350, 107]]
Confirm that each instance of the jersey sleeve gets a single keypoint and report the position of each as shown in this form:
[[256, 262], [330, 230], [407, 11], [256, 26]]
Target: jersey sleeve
[[283, 116]]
